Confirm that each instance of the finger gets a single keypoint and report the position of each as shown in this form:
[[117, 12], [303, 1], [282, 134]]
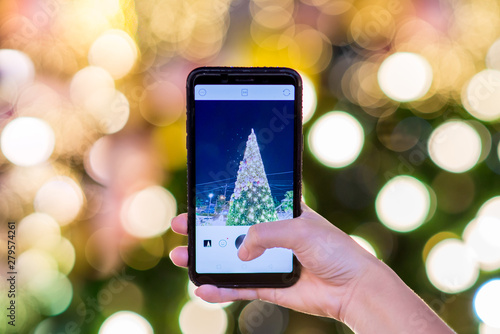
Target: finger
[[179, 256], [213, 294], [284, 233], [179, 224]]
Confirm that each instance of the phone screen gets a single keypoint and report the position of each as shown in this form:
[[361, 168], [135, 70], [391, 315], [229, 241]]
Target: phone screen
[[244, 172]]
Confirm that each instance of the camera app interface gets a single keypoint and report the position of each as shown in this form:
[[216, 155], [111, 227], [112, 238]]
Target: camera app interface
[[244, 139]]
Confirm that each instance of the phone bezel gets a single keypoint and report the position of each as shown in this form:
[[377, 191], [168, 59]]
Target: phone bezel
[[247, 76]]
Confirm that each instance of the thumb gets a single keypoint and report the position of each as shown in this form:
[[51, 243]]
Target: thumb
[[283, 233]]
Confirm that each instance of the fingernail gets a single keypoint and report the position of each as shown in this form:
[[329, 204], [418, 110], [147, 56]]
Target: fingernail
[[243, 253]]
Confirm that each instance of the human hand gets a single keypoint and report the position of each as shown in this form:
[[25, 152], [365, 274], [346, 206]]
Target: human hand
[[332, 264]]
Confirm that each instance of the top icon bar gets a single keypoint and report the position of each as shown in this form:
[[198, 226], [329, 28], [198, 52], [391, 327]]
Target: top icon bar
[[244, 92]]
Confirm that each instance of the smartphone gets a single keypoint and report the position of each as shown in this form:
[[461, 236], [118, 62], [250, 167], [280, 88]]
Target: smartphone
[[244, 141]]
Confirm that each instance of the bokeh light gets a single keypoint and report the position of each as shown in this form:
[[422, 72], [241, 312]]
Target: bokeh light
[[336, 139], [487, 303], [403, 203], [33, 226], [33, 263], [27, 141], [92, 88], [114, 51], [485, 329], [61, 198], [97, 160], [405, 76], [261, 317], [482, 96], [455, 146], [365, 244], [93, 112], [208, 319], [148, 212], [53, 292], [17, 71], [482, 235], [452, 266], [126, 322]]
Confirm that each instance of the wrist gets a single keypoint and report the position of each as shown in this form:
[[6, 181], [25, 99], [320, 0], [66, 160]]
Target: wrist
[[382, 302]]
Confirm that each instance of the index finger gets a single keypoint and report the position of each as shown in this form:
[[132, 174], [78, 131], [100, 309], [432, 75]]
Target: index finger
[[179, 224]]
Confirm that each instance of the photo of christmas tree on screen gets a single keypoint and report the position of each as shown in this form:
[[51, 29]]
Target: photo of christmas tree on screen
[[251, 201]]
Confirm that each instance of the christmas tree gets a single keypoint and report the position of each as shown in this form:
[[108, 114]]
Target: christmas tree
[[251, 202]]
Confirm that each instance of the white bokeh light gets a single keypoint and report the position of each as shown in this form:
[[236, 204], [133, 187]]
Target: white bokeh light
[[208, 319], [405, 76], [35, 225], [403, 203], [452, 266], [483, 236], [490, 208], [27, 141], [455, 146], [487, 303], [336, 139], [61, 198], [482, 96], [92, 88], [485, 329], [115, 51], [309, 99], [17, 70], [365, 244], [147, 213], [126, 322]]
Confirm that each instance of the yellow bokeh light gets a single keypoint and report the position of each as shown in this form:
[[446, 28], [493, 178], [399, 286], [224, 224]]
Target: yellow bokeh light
[[208, 320], [336, 139], [451, 266], [365, 244], [482, 235], [65, 255], [33, 263], [27, 141], [61, 198], [403, 203], [147, 213], [487, 303], [405, 76], [482, 95], [35, 225], [455, 146], [115, 51], [126, 322]]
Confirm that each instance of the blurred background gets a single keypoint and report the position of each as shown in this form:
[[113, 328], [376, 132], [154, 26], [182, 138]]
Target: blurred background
[[401, 110]]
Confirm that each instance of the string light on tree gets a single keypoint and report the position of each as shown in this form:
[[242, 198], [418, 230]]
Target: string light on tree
[[251, 179]]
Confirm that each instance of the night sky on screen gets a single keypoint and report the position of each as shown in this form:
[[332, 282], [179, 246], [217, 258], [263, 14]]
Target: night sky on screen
[[222, 130]]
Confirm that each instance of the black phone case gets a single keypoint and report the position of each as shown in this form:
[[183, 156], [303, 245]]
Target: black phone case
[[245, 280]]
